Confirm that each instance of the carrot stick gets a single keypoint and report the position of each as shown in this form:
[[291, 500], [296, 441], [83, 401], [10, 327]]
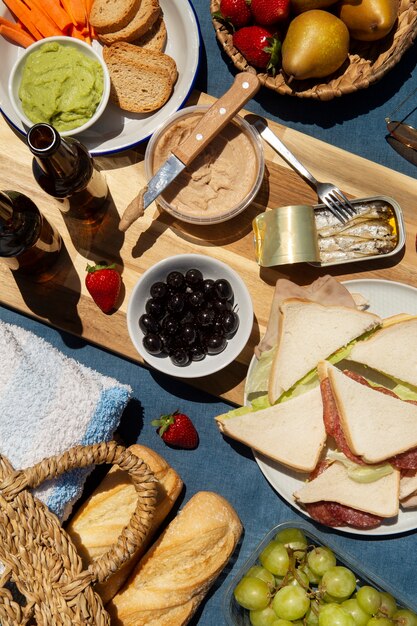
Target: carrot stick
[[16, 35], [53, 11], [68, 9], [43, 23], [78, 11], [21, 11]]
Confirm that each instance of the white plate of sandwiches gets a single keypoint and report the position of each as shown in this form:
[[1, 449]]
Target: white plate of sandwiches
[[340, 444], [118, 129]]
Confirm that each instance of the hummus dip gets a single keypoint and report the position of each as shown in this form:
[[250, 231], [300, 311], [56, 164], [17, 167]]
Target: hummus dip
[[218, 181], [60, 86]]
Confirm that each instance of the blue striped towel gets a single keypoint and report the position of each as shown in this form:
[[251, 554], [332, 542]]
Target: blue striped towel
[[49, 403]]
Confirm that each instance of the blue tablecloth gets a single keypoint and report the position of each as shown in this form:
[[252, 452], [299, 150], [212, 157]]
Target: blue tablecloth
[[221, 466]]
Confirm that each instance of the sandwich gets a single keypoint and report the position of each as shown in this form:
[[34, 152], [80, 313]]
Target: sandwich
[[369, 424], [309, 333], [291, 433], [335, 498], [391, 350]]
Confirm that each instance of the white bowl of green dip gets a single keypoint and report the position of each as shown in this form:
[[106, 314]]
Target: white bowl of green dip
[[62, 81]]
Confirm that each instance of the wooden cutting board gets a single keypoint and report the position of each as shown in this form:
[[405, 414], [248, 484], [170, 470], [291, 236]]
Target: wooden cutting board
[[64, 303]]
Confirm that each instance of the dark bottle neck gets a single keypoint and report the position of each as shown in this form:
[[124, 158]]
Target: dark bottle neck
[[63, 166], [20, 223]]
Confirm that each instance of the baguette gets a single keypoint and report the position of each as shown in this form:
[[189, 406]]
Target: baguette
[[171, 580], [158, 61], [99, 522]]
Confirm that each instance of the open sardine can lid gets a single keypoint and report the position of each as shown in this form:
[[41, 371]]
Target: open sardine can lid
[[286, 235]]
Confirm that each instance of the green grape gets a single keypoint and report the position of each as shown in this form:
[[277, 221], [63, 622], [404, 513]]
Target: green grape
[[369, 599], [334, 615], [263, 617], [388, 604], [252, 593], [313, 578], [299, 578], [295, 539], [257, 571], [379, 621], [320, 559], [339, 582], [352, 606], [282, 622], [291, 602], [275, 558], [312, 615], [404, 617]]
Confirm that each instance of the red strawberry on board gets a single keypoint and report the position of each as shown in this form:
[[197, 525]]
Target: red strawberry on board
[[177, 430], [268, 12], [258, 45], [103, 283], [236, 12]]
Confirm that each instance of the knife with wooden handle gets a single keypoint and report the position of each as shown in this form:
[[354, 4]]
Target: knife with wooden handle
[[244, 87]]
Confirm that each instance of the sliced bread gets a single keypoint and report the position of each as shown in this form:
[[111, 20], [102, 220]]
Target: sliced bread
[[110, 15], [123, 51], [147, 14], [136, 88], [155, 38]]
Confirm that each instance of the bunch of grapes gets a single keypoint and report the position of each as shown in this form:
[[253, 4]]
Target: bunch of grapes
[[298, 583], [188, 316]]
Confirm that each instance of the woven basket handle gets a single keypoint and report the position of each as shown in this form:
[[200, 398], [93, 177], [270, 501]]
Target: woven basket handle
[[143, 480]]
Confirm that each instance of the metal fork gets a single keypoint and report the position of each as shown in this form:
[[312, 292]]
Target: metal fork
[[330, 195]]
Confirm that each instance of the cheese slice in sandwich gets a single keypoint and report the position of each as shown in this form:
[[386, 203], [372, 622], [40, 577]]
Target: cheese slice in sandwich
[[391, 350], [309, 333], [377, 426], [291, 433], [379, 497]]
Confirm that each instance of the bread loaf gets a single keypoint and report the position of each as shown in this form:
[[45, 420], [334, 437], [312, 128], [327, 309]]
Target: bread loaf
[[170, 581], [99, 522]]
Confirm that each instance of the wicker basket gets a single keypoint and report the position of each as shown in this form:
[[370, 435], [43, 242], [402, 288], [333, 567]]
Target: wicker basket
[[44, 582], [367, 63]]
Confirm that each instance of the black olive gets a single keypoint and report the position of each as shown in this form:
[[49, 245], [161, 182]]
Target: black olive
[[223, 289], [193, 277], [207, 288], [188, 334], [170, 325], [148, 324], [196, 299], [230, 320], [155, 308], [159, 290], [176, 303], [152, 344], [176, 281], [180, 357], [197, 352], [205, 317], [216, 344]]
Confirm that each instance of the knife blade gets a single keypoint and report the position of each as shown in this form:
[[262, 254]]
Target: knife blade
[[244, 87]]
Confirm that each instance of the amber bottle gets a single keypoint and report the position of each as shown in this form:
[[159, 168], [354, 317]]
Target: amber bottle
[[29, 244], [64, 168]]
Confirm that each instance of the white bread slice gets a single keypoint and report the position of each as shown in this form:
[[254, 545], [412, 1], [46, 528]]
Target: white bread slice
[[309, 333], [376, 426], [137, 88], [110, 15], [408, 485], [334, 485], [291, 433], [124, 51], [392, 350], [143, 20]]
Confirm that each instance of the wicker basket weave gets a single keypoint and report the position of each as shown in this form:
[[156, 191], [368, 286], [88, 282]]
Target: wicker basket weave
[[40, 560], [367, 63]]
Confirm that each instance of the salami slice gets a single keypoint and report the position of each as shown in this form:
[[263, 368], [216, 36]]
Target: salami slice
[[334, 514]]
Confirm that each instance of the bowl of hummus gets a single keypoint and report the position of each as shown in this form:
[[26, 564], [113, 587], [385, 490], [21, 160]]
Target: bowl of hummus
[[61, 81], [223, 179]]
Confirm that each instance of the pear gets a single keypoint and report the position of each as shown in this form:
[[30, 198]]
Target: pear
[[316, 45], [368, 20], [299, 6]]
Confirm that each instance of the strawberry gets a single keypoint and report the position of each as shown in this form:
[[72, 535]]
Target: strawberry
[[177, 430], [258, 45], [235, 12], [103, 283], [268, 12]]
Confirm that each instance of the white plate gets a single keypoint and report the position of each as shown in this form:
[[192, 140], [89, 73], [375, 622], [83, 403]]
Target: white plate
[[118, 130], [385, 298]]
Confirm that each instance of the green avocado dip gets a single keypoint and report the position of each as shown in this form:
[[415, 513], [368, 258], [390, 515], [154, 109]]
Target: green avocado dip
[[60, 86]]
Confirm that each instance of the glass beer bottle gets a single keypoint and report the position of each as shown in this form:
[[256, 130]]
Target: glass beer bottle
[[64, 169], [29, 244]]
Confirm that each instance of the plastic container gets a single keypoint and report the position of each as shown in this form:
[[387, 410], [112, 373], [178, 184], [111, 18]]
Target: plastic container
[[193, 211], [235, 615]]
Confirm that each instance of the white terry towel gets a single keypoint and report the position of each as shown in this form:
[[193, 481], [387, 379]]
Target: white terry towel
[[49, 403]]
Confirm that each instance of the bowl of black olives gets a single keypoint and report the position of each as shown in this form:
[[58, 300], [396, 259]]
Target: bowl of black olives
[[189, 315]]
